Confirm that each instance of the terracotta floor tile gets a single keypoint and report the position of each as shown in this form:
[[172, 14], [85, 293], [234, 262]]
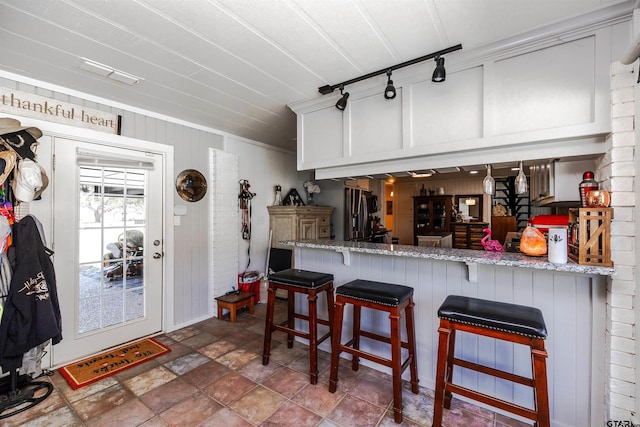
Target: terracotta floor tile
[[47, 406], [293, 415], [131, 413], [191, 412], [205, 374], [318, 399], [149, 380], [62, 417], [185, 363], [199, 340], [460, 417], [258, 372], [194, 389], [156, 421], [352, 411], [167, 395], [75, 395], [235, 359], [374, 390], [217, 349], [102, 401], [164, 339], [287, 382], [247, 408], [177, 350], [184, 333], [227, 418], [283, 355], [229, 388], [503, 421]]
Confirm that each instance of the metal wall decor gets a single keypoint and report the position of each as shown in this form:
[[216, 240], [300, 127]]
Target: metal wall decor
[[191, 185]]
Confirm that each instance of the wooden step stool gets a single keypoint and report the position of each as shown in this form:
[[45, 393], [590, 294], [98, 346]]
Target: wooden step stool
[[235, 301]]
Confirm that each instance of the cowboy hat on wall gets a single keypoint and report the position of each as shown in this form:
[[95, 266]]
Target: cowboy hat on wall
[[21, 139]]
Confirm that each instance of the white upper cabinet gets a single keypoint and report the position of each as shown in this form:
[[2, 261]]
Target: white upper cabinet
[[521, 102]]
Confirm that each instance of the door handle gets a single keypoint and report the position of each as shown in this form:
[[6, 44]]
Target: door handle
[[157, 255]]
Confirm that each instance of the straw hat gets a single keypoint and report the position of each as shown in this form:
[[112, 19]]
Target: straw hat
[[8, 125], [7, 163]]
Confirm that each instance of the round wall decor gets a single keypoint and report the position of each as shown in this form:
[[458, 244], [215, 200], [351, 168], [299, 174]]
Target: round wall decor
[[191, 185]]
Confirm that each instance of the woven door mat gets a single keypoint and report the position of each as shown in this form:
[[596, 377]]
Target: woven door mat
[[94, 368]]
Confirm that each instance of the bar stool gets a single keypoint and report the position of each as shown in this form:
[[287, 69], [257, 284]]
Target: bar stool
[[384, 297], [508, 322], [310, 283]]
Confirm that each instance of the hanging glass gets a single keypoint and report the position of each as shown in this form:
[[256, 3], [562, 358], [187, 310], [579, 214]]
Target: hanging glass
[[521, 181], [488, 183]]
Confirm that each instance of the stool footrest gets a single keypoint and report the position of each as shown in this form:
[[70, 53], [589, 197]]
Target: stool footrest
[[305, 317], [282, 327], [492, 401], [495, 372], [374, 336]]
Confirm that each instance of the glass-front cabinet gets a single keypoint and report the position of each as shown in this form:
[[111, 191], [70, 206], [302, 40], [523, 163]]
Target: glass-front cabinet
[[432, 215]]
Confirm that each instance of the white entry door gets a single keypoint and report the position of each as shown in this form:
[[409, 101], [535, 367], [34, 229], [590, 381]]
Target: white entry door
[[108, 241]]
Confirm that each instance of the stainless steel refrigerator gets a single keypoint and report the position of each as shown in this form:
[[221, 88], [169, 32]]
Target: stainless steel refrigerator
[[359, 208]]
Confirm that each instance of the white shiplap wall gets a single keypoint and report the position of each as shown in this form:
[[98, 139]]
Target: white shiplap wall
[[188, 303]]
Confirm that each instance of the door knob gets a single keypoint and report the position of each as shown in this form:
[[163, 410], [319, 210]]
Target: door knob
[[157, 255]]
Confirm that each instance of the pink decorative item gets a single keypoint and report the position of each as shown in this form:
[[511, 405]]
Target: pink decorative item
[[490, 245]]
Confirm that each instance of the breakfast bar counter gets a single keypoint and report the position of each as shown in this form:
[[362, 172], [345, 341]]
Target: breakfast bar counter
[[572, 298]]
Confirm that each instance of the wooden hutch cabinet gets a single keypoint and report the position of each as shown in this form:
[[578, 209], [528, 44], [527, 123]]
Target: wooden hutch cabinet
[[431, 215], [299, 223]]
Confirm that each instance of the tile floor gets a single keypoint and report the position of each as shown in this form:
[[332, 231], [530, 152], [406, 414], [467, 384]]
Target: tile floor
[[214, 377]]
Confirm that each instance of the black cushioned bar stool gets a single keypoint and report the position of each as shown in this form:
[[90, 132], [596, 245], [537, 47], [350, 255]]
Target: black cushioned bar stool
[[509, 322], [310, 283], [384, 297]]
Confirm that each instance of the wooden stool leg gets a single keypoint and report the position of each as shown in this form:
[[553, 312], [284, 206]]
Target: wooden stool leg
[[268, 324], [540, 390], [336, 338], [444, 332], [355, 361], [291, 308], [252, 305], [219, 310], [313, 336], [449, 371], [411, 340], [396, 362], [330, 309]]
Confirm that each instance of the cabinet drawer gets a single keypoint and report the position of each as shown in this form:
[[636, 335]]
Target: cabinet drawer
[[324, 232], [323, 220]]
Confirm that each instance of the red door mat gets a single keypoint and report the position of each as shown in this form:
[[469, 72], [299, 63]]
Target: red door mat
[[102, 365]]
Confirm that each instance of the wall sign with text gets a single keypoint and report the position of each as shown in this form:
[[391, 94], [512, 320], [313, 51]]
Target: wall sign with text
[[38, 107]]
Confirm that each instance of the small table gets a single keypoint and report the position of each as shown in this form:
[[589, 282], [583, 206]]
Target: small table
[[233, 302]]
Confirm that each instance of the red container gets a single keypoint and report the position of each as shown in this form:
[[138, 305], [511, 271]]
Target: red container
[[249, 281], [545, 222]]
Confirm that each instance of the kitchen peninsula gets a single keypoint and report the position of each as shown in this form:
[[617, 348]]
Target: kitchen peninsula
[[571, 297]]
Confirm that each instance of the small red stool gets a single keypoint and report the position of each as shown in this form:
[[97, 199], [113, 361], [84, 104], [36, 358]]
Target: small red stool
[[509, 322], [384, 297]]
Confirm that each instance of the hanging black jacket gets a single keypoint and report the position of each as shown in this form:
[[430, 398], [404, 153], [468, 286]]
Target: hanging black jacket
[[31, 313]]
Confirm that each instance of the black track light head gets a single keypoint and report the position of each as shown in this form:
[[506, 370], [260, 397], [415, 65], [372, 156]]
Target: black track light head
[[439, 74], [390, 91], [342, 102]]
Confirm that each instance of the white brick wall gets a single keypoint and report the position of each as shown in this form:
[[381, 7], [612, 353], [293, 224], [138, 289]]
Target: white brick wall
[[617, 174]]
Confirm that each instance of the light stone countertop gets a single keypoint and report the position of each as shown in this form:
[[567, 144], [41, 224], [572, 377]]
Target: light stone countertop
[[468, 256]]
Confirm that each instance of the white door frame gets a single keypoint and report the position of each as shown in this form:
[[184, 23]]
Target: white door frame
[[43, 209]]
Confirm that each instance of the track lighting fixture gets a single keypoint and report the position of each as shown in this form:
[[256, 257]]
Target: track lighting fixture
[[436, 75], [439, 74], [342, 102], [390, 91]]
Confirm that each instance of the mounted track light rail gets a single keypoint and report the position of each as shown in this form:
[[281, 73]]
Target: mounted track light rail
[[438, 55]]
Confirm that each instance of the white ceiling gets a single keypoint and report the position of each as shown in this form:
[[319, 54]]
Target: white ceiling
[[235, 65]]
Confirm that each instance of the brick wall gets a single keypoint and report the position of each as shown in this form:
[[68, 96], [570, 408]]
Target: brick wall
[[616, 173]]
